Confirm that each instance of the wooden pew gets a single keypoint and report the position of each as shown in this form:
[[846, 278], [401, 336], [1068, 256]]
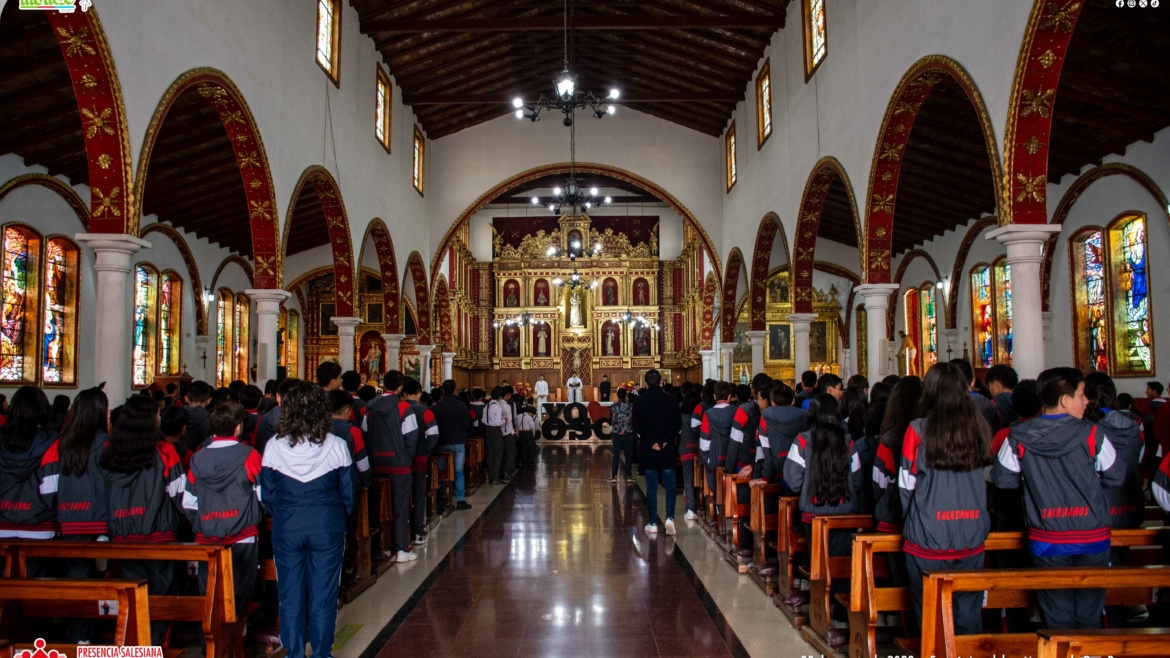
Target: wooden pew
[[473, 465], [443, 479], [732, 512], [217, 610], [761, 524], [700, 480], [383, 552], [132, 625], [1012, 588], [361, 576], [871, 553], [1103, 642], [823, 569], [789, 545]]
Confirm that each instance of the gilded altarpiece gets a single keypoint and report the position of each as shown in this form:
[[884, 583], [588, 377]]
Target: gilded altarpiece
[[319, 306], [779, 345], [682, 286]]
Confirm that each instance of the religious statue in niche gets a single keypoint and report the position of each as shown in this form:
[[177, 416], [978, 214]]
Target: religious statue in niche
[[371, 356], [541, 340], [575, 244], [610, 343], [778, 290], [907, 353], [742, 353], [541, 295], [642, 341], [609, 292], [511, 336], [818, 342], [511, 294], [576, 313], [641, 292], [779, 342]]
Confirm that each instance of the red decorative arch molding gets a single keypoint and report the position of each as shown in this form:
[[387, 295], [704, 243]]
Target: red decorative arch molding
[[443, 314], [418, 274], [222, 94], [770, 226], [192, 270], [1029, 125], [729, 304], [337, 224], [886, 169], [388, 265], [808, 222], [707, 319], [103, 117], [53, 184]]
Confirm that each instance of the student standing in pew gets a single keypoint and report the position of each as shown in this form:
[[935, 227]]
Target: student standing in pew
[[392, 435], [29, 471], [266, 427], [306, 483], [341, 404], [943, 494], [861, 444], [146, 486], [715, 433], [741, 451], [83, 491], [222, 497], [780, 423], [250, 397], [705, 401], [428, 438], [901, 410], [688, 444], [1063, 460], [198, 428]]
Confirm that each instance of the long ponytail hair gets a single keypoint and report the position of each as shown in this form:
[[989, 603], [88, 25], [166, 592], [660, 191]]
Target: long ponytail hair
[[132, 445], [828, 455], [958, 438], [88, 416]]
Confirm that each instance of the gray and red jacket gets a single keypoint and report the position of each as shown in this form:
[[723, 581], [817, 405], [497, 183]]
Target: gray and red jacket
[[81, 507], [796, 472], [1126, 505], [688, 446], [428, 435], [221, 497], [28, 489], [987, 409], [356, 442], [145, 506], [887, 505], [945, 511], [1064, 462], [741, 450], [779, 427], [1160, 487], [715, 434], [392, 433]]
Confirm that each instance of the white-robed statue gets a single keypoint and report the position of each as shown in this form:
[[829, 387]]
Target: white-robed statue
[[574, 386], [541, 395]]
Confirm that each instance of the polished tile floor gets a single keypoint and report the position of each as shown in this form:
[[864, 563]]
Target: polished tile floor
[[559, 565]]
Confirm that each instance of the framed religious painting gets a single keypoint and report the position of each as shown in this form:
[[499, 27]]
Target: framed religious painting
[[373, 314], [780, 342], [328, 311], [743, 349], [818, 342]]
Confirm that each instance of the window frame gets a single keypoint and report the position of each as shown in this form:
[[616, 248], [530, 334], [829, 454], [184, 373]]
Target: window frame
[[418, 170], [333, 72], [225, 312], [1077, 302], [971, 304], [1002, 309], [765, 75], [386, 120], [1112, 234], [151, 347], [811, 67], [730, 153], [912, 323], [928, 288], [34, 237], [176, 329], [72, 313]]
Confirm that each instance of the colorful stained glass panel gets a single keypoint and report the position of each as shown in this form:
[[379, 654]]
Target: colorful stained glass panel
[[982, 317], [817, 40], [17, 281], [144, 305], [929, 328], [1092, 277], [57, 331], [1134, 284], [325, 34]]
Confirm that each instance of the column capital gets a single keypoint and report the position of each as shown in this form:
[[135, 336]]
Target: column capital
[[757, 334], [449, 356], [267, 295], [799, 319], [707, 354], [346, 323], [1024, 242], [425, 350], [727, 346], [113, 250], [394, 340]]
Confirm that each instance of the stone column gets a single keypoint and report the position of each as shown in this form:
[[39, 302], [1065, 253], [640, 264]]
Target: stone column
[[846, 363], [709, 367], [801, 324], [393, 351], [345, 332], [205, 346], [1046, 321], [756, 338], [448, 365], [267, 318], [113, 327], [424, 364], [876, 298], [1025, 243], [725, 357]]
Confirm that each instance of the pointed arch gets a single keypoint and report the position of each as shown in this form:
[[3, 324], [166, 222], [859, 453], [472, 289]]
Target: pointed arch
[[99, 98], [192, 270], [221, 93], [53, 184], [388, 265], [442, 313], [731, 293], [766, 234], [337, 224], [418, 275], [960, 262], [897, 127], [826, 171], [238, 260], [1029, 122]]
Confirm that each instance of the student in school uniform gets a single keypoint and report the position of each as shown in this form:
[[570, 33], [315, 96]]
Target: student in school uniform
[[715, 431], [741, 450], [222, 497], [266, 427], [428, 437], [173, 426], [942, 490], [306, 483], [901, 410], [29, 470], [780, 423], [392, 437], [622, 437], [198, 428], [1064, 460], [146, 483], [526, 425], [351, 381], [341, 404], [250, 397]]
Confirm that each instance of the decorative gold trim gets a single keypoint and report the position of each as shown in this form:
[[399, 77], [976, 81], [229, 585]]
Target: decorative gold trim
[[131, 220], [238, 260], [343, 258], [80, 208]]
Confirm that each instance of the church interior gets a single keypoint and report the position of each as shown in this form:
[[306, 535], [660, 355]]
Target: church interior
[[227, 195]]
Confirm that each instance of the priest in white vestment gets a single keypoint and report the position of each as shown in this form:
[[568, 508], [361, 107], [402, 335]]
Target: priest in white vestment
[[541, 396], [574, 386]]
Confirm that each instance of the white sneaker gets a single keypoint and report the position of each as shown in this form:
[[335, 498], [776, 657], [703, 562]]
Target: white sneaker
[[419, 540], [406, 556], [670, 526], [651, 529], [690, 516]]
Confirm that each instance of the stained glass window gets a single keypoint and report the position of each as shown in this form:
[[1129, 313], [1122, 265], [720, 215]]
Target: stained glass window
[[729, 147], [328, 31], [910, 351], [18, 347], [1132, 330], [145, 286], [763, 104], [816, 42], [982, 317], [382, 109], [419, 160], [59, 317], [929, 341], [242, 321], [1090, 306], [224, 347], [1003, 311], [292, 342], [170, 324]]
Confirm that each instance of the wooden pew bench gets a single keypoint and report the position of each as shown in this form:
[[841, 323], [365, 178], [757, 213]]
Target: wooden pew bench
[[473, 465], [789, 546], [762, 524], [382, 524], [442, 479], [19, 596], [823, 569], [872, 552], [1103, 642], [733, 511], [217, 612], [361, 575], [1016, 588]]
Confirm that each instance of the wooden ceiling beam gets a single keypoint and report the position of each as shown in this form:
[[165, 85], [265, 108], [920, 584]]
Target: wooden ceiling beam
[[582, 23], [396, 43], [465, 119], [664, 57], [37, 92], [1110, 51], [53, 133], [685, 120], [182, 196], [1106, 126], [1120, 109], [683, 8], [684, 76], [1118, 85]]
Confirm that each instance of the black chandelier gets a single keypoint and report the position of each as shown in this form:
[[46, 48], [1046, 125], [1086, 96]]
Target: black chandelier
[[573, 197], [524, 318], [575, 280], [636, 320]]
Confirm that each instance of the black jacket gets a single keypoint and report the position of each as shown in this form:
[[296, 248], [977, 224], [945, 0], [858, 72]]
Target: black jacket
[[454, 419], [198, 427], [1005, 412], [657, 423], [1125, 502], [778, 429]]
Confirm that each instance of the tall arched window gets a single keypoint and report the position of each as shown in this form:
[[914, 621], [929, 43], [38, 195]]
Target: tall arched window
[[292, 342], [59, 317], [170, 324], [991, 313], [243, 317], [145, 323], [1003, 311], [224, 354], [928, 316], [912, 363], [18, 326], [1111, 303]]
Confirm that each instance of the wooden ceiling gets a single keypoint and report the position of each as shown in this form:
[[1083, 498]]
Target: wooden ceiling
[[309, 227], [837, 216], [460, 62], [39, 120]]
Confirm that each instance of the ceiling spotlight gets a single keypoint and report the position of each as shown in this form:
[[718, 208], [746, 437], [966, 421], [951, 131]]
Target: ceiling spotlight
[[610, 109], [556, 191], [588, 205], [593, 191], [517, 103], [608, 200], [535, 201], [613, 93]]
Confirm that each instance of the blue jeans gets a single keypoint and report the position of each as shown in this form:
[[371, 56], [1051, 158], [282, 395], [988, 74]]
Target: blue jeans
[[668, 484], [460, 451]]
